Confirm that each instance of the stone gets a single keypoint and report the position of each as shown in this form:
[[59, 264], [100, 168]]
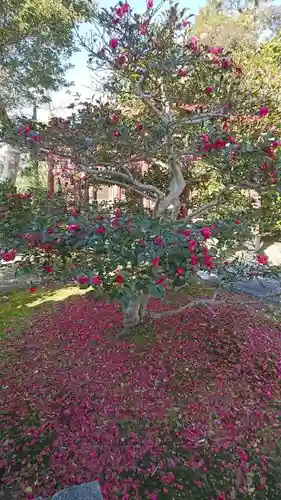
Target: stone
[[266, 289], [86, 491]]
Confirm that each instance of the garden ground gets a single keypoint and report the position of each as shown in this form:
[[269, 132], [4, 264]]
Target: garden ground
[[189, 407]]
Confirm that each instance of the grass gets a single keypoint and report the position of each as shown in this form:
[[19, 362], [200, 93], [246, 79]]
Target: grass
[[18, 305]]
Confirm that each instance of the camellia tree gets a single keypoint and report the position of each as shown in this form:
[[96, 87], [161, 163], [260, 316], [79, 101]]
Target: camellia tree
[[184, 115]]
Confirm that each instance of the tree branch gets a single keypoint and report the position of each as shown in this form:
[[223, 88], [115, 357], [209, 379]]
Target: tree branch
[[213, 203], [115, 177], [203, 117], [191, 305], [146, 99]]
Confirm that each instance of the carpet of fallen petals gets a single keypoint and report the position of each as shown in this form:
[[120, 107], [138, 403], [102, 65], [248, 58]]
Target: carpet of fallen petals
[[188, 411]]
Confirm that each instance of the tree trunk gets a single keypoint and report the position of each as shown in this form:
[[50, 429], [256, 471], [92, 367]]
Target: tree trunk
[[135, 313], [9, 163]]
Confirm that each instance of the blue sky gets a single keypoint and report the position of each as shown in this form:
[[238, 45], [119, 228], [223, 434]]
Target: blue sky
[[80, 74]]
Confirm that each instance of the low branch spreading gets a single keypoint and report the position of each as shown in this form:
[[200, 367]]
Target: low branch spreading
[[123, 179]]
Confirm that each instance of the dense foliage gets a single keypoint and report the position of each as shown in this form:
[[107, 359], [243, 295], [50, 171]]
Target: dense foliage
[[186, 113]]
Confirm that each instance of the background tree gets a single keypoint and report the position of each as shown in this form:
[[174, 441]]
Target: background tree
[[37, 39]]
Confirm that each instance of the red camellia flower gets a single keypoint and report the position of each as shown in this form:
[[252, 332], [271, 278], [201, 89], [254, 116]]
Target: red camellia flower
[[119, 279], [121, 60], [194, 260], [185, 23], [192, 245], [83, 280], [149, 4], [182, 73], [32, 289], [101, 230], [186, 233], [115, 118], [96, 280], [143, 29], [161, 281], [139, 126], [238, 221], [208, 90], [262, 258], [113, 43], [216, 50], [123, 9], [48, 269], [155, 261], [180, 271], [206, 232], [116, 133], [9, 255], [226, 63], [158, 240], [263, 111], [168, 478], [208, 261]]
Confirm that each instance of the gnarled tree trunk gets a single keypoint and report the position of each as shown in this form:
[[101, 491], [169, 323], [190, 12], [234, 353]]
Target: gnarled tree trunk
[[136, 312]]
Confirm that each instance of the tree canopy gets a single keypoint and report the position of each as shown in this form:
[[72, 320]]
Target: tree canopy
[[37, 39]]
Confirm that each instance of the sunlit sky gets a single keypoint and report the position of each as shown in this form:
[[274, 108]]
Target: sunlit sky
[[81, 75]]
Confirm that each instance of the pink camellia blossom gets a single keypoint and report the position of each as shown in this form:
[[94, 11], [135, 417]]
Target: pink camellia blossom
[[123, 9], [149, 4], [83, 280], [155, 261], [96, 280], [101, 230], [9, 255], [185, 23], [158, 240], [119, 279], [206, 232], [262, 258], [193, 44], [113, 43], [73, 227], [263, 111], [143, 28], [238, 221], [186, 233]]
